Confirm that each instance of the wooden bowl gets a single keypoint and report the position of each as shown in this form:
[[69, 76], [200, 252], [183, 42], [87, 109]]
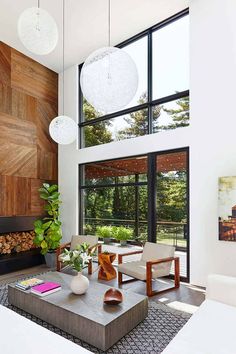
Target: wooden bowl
[[113, 297]]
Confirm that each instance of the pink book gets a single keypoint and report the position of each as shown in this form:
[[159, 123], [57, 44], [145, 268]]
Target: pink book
[[45, 288]]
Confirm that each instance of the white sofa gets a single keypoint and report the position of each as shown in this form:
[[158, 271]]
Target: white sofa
[[211, 330], [18, 335]]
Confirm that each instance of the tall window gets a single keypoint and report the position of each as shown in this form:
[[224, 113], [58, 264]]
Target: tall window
[[162, 98]]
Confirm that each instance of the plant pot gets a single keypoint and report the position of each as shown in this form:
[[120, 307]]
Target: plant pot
[[123, 243], [50, 259], [106, 240], [79, 284]]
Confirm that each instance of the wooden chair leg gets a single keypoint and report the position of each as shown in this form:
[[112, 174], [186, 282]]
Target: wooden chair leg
[[149, 280], [177, 273], [99, 249], [90, 267], [119, 278]]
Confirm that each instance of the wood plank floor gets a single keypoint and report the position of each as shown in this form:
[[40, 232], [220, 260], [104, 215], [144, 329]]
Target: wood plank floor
[[187, 298]]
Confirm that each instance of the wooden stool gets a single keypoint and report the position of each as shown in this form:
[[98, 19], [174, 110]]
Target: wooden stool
[[106, 269]]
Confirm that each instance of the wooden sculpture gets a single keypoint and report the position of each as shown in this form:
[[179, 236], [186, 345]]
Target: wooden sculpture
[[106, 269]]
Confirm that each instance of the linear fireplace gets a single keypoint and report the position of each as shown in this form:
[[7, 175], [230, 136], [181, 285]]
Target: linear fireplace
[[17, 250]]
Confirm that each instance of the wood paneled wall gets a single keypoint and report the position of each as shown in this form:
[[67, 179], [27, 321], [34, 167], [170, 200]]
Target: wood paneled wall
[[28, 156]]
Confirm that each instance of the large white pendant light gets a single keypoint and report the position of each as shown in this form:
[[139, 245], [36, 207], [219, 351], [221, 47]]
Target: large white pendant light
[[63, 129], [37, 30], [109, 77]]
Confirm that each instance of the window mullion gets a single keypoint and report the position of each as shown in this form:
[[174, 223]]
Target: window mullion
[[149, 88]]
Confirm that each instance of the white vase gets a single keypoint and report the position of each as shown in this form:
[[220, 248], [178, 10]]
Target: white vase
[[79, 284]]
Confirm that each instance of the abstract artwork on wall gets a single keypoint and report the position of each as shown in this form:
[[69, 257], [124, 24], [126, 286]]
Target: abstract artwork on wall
[[227, 208]]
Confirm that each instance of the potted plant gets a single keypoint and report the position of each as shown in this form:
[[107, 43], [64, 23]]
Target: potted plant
[[105, 232], [78, 259], [48, 232], [123, 234]]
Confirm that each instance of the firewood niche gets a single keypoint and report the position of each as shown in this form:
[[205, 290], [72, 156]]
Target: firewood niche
[[15, 242]]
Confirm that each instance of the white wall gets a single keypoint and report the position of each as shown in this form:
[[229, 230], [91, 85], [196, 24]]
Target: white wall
[[213, 128], [211, 137]]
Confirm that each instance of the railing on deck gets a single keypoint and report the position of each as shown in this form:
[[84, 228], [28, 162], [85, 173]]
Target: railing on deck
[[172, 233]]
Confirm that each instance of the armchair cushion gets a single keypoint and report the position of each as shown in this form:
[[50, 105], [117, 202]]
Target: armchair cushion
[[154, 251], [78, 240], [137, 269]]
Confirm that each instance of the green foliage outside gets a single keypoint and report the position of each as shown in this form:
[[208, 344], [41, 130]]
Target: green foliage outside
[[171, 196], [123, 233], [104, 231], [179, 116], [137, 122], [115, 206], [96, 134], [48, 232], [117, 232]]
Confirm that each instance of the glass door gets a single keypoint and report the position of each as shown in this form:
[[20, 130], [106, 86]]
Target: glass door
[[172, 204]]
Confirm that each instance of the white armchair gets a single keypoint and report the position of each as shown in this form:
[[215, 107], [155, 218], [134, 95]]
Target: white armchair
[[155, 262], [78, 240]]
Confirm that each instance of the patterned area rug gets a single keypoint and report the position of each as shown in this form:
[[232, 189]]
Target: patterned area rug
[[151, 336]]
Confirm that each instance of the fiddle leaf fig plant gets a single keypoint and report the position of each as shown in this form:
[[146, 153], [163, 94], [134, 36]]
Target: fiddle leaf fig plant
[[48, 232]]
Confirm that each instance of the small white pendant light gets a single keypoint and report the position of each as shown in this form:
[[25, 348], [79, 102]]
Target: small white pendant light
[[109, 77], [63, 129], [37, 30]]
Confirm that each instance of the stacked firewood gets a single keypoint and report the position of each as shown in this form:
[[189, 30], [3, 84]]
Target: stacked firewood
[[16, 242]]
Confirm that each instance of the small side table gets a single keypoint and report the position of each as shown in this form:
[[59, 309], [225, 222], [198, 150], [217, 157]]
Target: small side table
[[106, 269]]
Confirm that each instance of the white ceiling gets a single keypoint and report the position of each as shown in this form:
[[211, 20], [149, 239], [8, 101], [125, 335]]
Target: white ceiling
[[86, 24]]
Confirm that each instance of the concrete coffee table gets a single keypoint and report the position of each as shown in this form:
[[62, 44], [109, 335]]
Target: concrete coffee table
[[83, 316]]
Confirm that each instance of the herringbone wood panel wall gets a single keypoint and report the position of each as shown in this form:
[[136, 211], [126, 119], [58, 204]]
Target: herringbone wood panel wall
[[28, 156]]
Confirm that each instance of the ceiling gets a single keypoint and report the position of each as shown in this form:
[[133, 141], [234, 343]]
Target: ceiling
[[86, 24]]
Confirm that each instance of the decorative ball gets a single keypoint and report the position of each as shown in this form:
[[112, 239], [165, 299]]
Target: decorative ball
[[37, 31], [63, 130], [113, 297], [109, 79]]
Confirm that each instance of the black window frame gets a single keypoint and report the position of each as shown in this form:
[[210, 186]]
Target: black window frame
[[150, 102]]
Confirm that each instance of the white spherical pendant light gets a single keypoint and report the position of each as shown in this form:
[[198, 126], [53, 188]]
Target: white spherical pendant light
[[37, 31], [63, 130], [109, 79]]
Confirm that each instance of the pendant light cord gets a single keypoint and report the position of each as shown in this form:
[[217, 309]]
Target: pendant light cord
[[63, 60], [37, 22], [109, 23]]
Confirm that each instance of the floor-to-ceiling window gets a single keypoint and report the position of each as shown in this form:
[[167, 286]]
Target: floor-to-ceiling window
[[147, 194], [162, 98]]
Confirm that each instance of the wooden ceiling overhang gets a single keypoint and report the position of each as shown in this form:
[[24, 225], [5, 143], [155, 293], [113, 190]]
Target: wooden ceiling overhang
[[132, 166]]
